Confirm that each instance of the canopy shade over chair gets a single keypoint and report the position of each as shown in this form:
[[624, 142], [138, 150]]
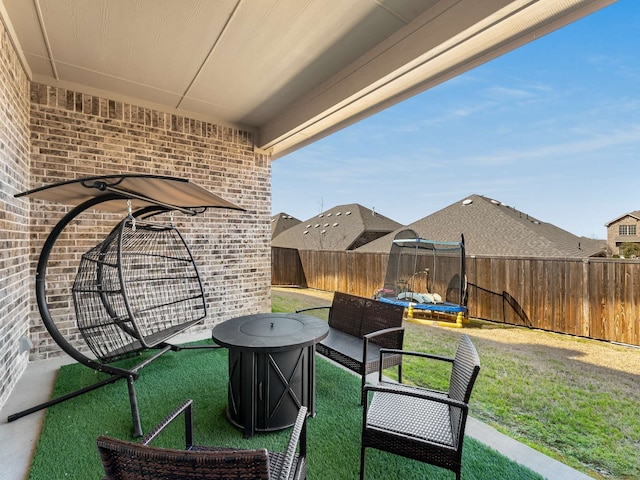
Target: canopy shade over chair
[[142, 190], [137, 288]]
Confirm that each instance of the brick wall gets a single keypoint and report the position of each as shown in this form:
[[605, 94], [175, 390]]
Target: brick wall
[[15, 285], [74, 135]]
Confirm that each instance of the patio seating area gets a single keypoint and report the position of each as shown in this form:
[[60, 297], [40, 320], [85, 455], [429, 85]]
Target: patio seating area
[[18, 439], [84, 111]]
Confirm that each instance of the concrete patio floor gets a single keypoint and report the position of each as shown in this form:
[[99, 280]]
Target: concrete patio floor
[[18, 439]]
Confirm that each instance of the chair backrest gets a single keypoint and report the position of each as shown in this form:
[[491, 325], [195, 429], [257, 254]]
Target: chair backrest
[[124, 460], [380, 315], [359, 316], [466, 366], [346, 313]]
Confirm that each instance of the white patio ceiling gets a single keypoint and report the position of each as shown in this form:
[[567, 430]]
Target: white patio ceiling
[[292, 71]]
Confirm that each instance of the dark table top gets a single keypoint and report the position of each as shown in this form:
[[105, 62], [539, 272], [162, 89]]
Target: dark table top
[[270, 332]]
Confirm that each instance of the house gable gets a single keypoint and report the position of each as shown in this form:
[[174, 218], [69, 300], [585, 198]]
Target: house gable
[[623, 229], [281, 222], [343, 227]]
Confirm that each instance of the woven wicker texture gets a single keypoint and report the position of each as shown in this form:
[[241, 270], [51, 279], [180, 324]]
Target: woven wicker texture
[[406, 415], [358, 328], [134, 461], [419, 423], [125, 460], [136, 289]]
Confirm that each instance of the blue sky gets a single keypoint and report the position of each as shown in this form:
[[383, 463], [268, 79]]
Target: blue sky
[[551, 128]]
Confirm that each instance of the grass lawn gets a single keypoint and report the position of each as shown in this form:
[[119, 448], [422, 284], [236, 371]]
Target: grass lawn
[[573, 399]]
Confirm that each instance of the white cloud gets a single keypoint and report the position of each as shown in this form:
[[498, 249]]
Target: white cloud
[[595, 142]]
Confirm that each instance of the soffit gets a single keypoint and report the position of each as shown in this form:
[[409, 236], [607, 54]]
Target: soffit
[[292, 71]]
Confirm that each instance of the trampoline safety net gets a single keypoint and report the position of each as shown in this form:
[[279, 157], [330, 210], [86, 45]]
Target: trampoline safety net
[[137, 288], [429, 274]]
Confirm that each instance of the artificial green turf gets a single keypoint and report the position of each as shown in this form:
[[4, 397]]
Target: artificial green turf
[[67, 450]]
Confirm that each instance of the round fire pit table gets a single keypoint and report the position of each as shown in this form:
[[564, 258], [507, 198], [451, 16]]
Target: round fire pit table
[[271, 368]]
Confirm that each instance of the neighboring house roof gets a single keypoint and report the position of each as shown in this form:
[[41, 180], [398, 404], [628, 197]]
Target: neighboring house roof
[[635, 214], [492, 228], [281, 222], [344, 227]]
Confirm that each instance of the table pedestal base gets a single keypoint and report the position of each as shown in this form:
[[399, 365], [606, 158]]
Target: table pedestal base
[[266, 390]]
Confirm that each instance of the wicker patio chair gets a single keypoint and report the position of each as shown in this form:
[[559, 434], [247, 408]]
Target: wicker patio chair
[[419, 423], [129, 460]]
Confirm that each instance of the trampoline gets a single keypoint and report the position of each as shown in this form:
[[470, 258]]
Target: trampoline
[[426, 275], [136, 289]]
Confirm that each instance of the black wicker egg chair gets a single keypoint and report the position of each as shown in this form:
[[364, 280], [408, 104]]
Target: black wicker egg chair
[[136, 289], [139, 287]]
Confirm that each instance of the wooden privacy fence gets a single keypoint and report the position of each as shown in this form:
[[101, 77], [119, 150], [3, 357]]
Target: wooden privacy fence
[[597, 298]]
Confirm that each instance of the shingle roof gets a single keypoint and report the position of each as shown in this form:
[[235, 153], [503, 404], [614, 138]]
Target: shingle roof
[[492, 228], [343, 227], [281, 222]]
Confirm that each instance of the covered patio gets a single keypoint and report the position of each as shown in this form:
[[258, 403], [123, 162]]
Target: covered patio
[[212, 92]]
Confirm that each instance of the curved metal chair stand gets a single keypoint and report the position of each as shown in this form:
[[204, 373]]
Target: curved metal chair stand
[[108, 189]]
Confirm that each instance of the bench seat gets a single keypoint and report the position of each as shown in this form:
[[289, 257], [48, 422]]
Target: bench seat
[[358, 328]]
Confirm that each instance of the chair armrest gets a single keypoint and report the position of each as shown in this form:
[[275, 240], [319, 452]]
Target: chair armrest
[[408, 353], [185, 407], [417, 392], [390, 338], [384, 331], [298, 437], [395, 351], [312, 308]]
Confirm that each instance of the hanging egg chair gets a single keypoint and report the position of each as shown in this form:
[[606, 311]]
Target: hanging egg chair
[[136, 289]]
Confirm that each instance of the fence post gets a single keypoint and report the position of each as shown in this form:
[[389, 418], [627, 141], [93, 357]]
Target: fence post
[[586, 299]]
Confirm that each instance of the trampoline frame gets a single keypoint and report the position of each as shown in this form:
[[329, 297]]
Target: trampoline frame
[[408, 242]]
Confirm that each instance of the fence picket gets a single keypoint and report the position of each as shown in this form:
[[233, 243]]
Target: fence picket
[[596, 298]]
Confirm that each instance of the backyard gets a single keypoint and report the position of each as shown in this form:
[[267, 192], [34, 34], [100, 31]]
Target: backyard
[[573, 399]]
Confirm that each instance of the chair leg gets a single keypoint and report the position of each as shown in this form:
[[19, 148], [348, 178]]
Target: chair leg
[[362, 463], [135, 414], [363, 396]]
